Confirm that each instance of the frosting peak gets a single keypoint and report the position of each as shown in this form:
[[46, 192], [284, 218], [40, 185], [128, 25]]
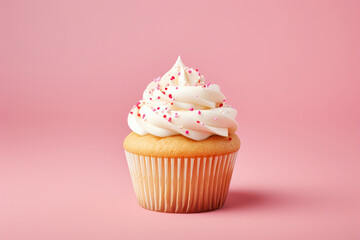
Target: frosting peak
[[181, 75], [181, 103]]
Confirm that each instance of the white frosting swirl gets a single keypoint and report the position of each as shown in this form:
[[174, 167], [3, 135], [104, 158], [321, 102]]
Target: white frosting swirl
[[181, 103]]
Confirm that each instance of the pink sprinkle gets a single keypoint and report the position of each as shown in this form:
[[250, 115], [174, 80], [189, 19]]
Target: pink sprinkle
[[191, 109], [224, 100], [150, 98], [189, 71], [158, 97], [177, 88], [202, 123], [197, 70], [143, 116], [172, 78], [169, 119], [154, 109], [179, 73], [199, 112], [215, 118], [187, 132]]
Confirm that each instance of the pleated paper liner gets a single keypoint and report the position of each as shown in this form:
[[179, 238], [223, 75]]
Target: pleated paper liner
[[181, 185]]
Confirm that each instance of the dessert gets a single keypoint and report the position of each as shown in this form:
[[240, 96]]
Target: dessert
[[183, 145]]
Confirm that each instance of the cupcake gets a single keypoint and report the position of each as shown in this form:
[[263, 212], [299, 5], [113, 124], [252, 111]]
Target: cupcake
[[182, 148]]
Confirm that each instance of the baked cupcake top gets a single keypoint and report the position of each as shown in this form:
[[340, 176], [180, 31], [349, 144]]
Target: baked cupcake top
[[182, 103]]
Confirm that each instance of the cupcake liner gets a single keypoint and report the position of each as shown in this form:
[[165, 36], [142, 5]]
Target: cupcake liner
[[181, 185]]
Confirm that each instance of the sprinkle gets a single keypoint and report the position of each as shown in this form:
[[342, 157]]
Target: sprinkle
[[172, 103], [172, 78], [230, 138], [166, 108], [158, 108], [198, 121], [150, 98], [176, 88], [215, 118], [163, 92], [187, 132], [199, 112], [197, 70], [224, 100], [221, 105], [202, 123], [164, 116], [166, 88], [189, 71], [179, 73], [154, 109], [170, 96], [131, 112], [138, 114], [143, 116], [191, 109], [158, 97], [169, 119]]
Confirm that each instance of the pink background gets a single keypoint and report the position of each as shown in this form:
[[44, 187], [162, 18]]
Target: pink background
[[71, 70]]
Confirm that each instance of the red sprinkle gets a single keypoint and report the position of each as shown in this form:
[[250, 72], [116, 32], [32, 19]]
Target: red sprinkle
[[221, 105], [187, 132], [198, 121], [172, 78], [191, 109], [169, 119], [158, 108], [164, 116], [197, 70], [230, 139], [199, 112], [131, 112], [166, 88], [189, 71], [170, 96], [163, 92], [172, 103], [138, 114]]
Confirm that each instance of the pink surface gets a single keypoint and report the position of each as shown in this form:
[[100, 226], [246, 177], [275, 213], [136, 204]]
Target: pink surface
[[71, 70]]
